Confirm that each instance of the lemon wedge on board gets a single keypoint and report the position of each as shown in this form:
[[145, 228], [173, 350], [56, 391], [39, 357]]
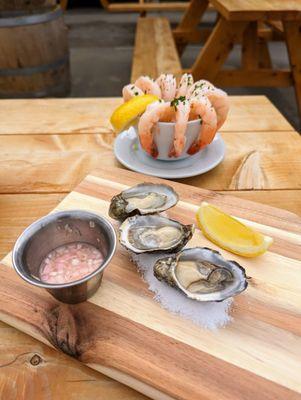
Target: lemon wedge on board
[[127, 114], [230, 234]]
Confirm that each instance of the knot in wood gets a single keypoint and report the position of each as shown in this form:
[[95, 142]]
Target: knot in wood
[[35, 360], [62, 329]]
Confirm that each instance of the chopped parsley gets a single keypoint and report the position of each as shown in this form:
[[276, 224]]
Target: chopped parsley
[[175, 101], [198, 86]]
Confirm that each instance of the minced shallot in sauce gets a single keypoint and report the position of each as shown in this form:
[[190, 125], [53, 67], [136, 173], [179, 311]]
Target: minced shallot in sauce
[[70, 262]]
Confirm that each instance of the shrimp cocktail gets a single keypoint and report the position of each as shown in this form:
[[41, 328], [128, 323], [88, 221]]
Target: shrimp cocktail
[[172, 120]]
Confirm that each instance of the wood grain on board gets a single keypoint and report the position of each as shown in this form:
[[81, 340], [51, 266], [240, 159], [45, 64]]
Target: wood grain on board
[[91, 115], [150, 348]]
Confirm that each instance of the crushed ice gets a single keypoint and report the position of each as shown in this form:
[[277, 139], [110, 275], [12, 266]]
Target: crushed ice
[[211, 315]]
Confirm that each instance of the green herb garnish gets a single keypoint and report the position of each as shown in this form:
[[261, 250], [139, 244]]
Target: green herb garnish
[[175, 101]]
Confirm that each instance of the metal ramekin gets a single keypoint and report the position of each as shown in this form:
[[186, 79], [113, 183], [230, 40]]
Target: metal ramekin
[[55, 230]]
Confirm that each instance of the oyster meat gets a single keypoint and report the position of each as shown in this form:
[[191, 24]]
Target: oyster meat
[[145, 198], [202, 274], [149, 233]]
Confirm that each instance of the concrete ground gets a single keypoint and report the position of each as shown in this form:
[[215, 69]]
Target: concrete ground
[[101, 49]]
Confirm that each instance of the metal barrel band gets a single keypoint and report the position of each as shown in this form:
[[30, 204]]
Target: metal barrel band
[[36, 69], [31, 19]]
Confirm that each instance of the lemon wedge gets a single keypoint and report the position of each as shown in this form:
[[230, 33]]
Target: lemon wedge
[[127, 114], [230, 234]]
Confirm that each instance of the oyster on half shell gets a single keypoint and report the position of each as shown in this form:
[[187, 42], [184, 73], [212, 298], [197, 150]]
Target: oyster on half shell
[[150, 233], [202, 274], [144, 198]]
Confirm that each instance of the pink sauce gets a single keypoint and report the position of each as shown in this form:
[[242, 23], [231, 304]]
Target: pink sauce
[[70, 262]]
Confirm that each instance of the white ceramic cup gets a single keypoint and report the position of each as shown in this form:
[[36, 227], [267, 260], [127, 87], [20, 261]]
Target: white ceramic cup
[[164, 136]]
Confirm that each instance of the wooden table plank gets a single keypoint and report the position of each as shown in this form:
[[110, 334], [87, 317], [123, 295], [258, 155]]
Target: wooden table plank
[[262, 155], [49, 116], [250, 10], [65, 116], [54, 143], [287, 199], [269, 168], [30, 370]]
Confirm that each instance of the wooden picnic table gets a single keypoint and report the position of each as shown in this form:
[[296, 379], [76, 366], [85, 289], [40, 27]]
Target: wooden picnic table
[[48, 146], [243, 22]]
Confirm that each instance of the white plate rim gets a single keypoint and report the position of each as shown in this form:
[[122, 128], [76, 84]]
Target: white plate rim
[[160, 173]]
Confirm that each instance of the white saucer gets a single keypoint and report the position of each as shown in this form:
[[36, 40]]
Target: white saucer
[[129, 153]]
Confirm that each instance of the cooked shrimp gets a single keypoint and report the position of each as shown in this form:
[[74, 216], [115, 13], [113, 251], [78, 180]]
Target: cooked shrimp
[[148, 86], [130, 91], [185, 83], [217, 97], [200, 107], [168, 86], [169, 115], [219, 100], [182, 114], [151, 116], [196, 88]]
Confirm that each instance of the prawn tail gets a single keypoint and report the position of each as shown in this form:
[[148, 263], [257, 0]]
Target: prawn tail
[[194, 148], [172, 152], [177, 148], [154, 151]]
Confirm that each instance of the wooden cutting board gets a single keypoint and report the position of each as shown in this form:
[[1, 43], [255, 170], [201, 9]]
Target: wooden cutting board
[[125, 334]]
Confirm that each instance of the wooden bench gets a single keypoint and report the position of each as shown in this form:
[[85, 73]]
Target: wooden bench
[[155, 50], [140, 7]]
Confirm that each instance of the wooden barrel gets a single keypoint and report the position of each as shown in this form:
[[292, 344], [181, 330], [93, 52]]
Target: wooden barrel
[[34, 56], [25, 5]]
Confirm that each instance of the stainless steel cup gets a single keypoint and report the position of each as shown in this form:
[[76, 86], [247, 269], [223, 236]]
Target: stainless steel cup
[[58, 229]]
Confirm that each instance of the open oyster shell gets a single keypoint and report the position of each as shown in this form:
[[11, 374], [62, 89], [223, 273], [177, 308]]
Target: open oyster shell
[[150, 233], [145, 198], [202, 274]]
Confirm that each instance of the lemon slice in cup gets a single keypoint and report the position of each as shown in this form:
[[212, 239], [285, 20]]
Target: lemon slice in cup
[[230, 234], [128, 113]]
